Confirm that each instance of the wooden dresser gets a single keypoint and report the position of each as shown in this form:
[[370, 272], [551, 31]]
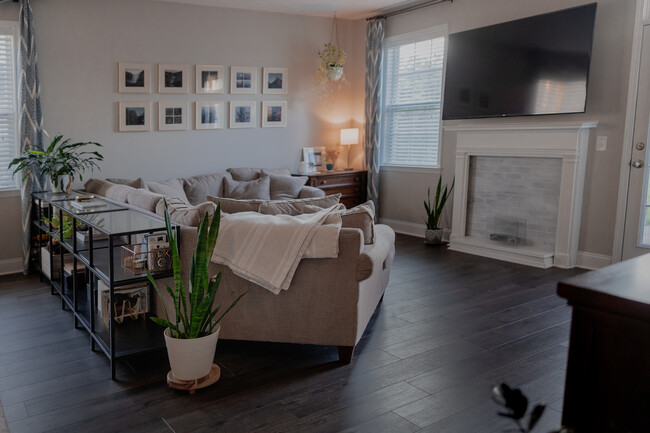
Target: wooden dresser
[[351, 184]]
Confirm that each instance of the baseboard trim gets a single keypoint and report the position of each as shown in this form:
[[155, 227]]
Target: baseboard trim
[[404, 227], [592, 260], [11, 266]]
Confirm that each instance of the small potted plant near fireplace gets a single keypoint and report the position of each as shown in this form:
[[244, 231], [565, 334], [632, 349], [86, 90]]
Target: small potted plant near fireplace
[[191, 338], [433, 232]]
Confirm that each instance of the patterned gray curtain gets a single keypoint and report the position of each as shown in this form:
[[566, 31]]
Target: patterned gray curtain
[[31, 119], [374, 59]]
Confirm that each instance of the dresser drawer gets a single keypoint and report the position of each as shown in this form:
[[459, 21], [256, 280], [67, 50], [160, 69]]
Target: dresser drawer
[[337, 179], [351, 184]]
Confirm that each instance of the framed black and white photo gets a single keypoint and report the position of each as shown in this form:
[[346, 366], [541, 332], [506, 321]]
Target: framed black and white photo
[[209, 115], [134, 116], [274, 114], [172, 116], [243, 80], [275, 81], [134, 77], [172, 78], [210, 79], [242, 114]]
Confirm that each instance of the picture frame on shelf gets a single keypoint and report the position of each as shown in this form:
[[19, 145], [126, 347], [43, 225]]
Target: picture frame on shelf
[[172, 116], [134, 77], [134, 116], [275, 81], [319, 157], [243, 80], [210, 79], [309, 158], [243, 114], [172, 78], [209, 115], [274, 114]]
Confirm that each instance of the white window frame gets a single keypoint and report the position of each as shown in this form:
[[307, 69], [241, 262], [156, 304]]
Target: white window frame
[[403, 39], [12, 28]]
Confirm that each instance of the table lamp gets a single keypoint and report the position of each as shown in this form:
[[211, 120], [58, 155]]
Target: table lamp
[[349, 136]]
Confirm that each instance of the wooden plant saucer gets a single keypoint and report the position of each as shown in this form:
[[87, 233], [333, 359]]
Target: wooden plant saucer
[[193, 385]]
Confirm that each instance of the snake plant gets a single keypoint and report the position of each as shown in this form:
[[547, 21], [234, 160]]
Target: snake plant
[[434, 212], [198, 318]]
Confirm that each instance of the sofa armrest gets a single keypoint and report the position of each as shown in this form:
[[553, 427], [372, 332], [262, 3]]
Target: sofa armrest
[[379, 254], [310, 191]]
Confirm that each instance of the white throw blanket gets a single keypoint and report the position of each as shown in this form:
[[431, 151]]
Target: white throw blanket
[[266, 249]]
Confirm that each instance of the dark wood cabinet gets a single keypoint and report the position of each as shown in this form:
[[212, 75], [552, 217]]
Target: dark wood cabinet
[[351, 184], [608, 372]]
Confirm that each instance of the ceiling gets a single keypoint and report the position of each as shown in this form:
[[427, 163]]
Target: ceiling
[[347, 9]]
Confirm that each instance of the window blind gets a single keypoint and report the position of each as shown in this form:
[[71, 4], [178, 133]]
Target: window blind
[[412, 101], [7, 108]]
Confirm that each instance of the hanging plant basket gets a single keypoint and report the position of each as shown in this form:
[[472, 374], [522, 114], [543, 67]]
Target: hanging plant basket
[[332, 58], [334, 73]]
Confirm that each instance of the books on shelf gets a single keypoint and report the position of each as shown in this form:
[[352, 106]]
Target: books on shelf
[[83, 235], [88, 204]]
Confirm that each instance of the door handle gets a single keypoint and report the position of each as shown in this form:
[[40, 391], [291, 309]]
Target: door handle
[[637, 164]]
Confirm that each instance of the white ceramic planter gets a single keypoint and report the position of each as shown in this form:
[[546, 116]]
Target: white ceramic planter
[[433, 237], [334, 73], [191, 358]]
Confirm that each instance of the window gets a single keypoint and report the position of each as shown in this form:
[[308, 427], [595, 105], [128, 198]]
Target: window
[[413, 75], [8, 102]]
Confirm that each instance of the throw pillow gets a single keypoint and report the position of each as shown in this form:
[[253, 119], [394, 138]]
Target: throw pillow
[[98, 186], [182, 213], [361, 217], [169, 188], [243, 173], [119, 193], [252, 189], [286, 187], [298, 206], [231, 205], [278, 171], [197, 188], [135, 183], [144, 199]]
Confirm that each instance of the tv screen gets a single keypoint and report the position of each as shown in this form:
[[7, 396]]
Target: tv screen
[[532, 66]]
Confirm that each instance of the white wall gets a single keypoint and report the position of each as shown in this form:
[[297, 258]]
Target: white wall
[[80, 42], [401, 193]]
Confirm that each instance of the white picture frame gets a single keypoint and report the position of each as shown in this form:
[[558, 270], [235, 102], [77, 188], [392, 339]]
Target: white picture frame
[[274, 114], [134, 116], [309, 158], [133, 77], [243, 80], [172, 116], [209, 115], [243, 114], [319, 158], [209, 79], [275, 81], [173, 78]]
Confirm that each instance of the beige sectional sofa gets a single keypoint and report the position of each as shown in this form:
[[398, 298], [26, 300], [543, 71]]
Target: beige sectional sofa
[[329, 301]]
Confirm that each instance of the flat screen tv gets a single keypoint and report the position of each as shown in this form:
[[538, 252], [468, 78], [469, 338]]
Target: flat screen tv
[[532, 66]]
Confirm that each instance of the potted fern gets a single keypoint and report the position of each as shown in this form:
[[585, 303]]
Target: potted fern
[[433, 232], [191, 338], [63, 161]]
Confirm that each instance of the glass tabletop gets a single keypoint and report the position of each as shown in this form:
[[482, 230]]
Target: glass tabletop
[[102, 206], [54, 196], [125, 222]]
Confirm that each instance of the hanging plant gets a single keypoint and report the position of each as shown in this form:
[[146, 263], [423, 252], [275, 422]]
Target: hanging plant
[[332, 58]]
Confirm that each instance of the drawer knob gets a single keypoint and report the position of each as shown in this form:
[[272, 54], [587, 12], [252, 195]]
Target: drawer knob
[[356, 179], [356, 189], [323, 182]]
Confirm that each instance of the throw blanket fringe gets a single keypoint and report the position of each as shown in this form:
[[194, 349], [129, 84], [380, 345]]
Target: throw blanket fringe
[[266, 249]]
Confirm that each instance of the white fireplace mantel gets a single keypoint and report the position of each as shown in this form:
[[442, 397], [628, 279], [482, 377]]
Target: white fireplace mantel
[[565, 140]]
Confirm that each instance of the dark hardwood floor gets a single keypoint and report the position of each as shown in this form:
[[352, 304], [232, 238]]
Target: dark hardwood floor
[[451, 326]]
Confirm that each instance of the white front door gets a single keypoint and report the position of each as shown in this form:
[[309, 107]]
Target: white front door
[[636, 239]]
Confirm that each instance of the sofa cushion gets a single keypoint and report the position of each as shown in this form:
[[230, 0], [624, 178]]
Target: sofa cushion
[[183, 213], [168, 188], [244, 173], [298, 206], [232, 205], [197, 188], [361, 217], [119, 193], [135, 183], [98, 186], [252, 189], [144, 199], [276, 171], [286, 187]]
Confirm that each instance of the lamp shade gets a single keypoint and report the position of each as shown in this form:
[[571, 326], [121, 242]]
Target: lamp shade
[[350, 136]]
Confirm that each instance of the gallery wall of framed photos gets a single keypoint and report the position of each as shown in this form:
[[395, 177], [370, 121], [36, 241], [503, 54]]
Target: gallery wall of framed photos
[[209, 114]]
